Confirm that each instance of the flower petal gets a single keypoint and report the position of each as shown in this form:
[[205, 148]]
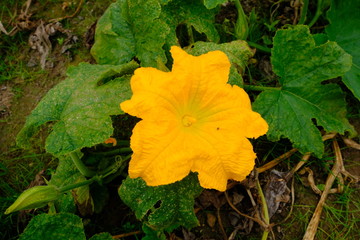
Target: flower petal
[[149, 100], [160, 153], [210, 68], [229, 157], [230, 108]]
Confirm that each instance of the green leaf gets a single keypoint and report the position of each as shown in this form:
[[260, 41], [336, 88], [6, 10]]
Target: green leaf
[[176, 202], [55, 227], [302, 67], [190, 12], [209, 4], [102, 236], [80, 107], [131, 28], [344, 17], [238, 53]]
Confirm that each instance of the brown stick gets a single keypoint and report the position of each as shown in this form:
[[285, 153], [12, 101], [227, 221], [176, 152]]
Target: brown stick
[[126, 234], [276, 161], [314, 222]]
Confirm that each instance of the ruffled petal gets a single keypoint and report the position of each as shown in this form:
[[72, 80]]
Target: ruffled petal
[[149, 100], [160, 153], [229, 157], [211, 68]]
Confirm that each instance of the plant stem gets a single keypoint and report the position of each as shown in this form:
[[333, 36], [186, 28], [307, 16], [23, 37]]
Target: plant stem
[[190, 33], [114, 152], [258, 46], [304, 10], [80, 165], [317, 13], [79, 184], [260, 88], [115, 167], [265, 210]]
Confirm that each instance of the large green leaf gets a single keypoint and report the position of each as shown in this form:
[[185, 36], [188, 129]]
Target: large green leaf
[[80, 107], [192, 13], [145, 28], [55, 227], [238, 53], [344, 17], [164, 207], [131, 28], [302, 67]]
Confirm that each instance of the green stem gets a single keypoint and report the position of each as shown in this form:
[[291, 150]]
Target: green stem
[[258, 46], [304, 10], [190, 33], [317, 13], [114, 167], [114, 152], [80, 165], [260, 88], [79, 184], [265, 210]]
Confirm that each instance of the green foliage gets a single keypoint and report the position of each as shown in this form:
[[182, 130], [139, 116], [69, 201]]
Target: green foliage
[[302, 67], [344, 17], [143, 28], [193, 14], [55, 227], [176, 202], [129, 29], [81, 107], [238, 53]]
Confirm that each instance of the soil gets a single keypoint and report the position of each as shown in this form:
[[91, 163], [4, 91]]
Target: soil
[[217, 218]]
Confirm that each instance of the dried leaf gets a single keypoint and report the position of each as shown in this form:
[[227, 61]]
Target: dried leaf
[[276, 191]]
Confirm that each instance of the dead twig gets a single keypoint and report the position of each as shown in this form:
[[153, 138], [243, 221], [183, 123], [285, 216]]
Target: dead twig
[[276, 161], [351, 143], [126, 234], [260, 222], [220, 224], [69, 16], [335, 171]]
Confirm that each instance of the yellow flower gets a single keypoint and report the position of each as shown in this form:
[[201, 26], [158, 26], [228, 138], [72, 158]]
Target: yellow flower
[[192, 120]]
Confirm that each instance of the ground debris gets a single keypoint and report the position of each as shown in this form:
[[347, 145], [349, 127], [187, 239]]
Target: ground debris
[[276, 191], [40, 41], [6, 96]]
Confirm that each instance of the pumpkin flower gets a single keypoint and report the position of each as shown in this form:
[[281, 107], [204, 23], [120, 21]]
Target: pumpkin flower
[[192, 120]]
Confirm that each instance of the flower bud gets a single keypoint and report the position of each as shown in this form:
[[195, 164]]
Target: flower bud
[[35, 197]]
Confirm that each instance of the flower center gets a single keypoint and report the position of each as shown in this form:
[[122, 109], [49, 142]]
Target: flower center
[[187, 120]]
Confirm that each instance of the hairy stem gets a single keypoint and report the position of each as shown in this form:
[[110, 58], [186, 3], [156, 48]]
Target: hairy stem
[[260, 47], [260, 88], [79, 184], [81, 166], [304, 10]]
